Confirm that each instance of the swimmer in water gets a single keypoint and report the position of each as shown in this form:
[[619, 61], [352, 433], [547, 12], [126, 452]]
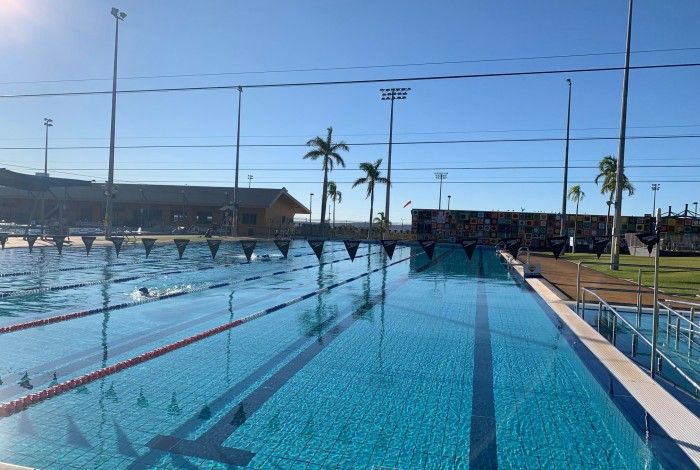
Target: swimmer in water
[[145, 292]]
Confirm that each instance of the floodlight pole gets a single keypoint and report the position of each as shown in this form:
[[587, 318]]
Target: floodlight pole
[[391, 94], [564, 230], [47, 123], [109, 190], [655, 319], [234, 218], [620, 174], [448, 201], [440, 175], [654, 187]]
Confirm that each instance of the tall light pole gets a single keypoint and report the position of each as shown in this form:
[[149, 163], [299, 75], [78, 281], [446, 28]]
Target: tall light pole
[[654, 187], [566, 164], [47, 123], [449, 196], [234, 221], [440, 175], [696, 208], [109, 190], [250, 179], [391, 94], [620, 174]]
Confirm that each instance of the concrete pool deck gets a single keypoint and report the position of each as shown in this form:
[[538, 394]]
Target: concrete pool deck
[[679, 423]]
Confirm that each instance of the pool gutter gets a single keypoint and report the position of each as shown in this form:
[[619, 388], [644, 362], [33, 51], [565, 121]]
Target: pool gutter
[[678, 423]]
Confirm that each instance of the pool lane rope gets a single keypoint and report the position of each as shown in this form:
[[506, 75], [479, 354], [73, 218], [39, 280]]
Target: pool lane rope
[[40, 290], [16, 406], [84, 313]]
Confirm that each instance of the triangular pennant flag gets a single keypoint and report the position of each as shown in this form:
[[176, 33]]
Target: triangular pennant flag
[[558, 245], [248, 247], [599, 244], [317, 246], [117, 241], [469, 245], [283, 246], [389, 247], [649, 239], [148, 245], [213, 246], [428, 247], [58, 240], [351, 246], [3, 239], [181, 244], [88, 241], [512, 245], [30, 240]]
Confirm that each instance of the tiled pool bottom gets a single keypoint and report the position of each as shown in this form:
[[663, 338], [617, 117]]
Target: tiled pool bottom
[[447, 364]]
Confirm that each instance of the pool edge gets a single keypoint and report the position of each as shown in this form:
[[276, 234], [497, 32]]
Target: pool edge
[[678, 423]]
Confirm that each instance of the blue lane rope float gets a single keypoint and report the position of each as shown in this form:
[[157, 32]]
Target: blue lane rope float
[[123, 305], [39, 290]]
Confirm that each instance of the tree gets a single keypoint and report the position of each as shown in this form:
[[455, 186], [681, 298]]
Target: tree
[[576, 195], [329, 151], [382, 223], [608, 173], [371, 178], [336, 196]]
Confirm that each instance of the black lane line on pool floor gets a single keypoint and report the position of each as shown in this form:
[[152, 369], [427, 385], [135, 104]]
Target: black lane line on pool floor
[[42, 290], [210, 444], [482, 435], [42, 374]]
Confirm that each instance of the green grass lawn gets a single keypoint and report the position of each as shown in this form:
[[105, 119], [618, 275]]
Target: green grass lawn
[[685, 283]]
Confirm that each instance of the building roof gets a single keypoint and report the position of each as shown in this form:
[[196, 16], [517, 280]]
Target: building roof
[[216, 196], [41, 182]]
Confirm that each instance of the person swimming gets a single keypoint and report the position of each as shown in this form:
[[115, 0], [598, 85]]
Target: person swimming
[[145, 292]]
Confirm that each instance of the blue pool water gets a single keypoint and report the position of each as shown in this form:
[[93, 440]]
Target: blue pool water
[[411, 364]]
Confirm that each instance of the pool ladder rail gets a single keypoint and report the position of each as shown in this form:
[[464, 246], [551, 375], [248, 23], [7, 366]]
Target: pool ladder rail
[[658, 358]]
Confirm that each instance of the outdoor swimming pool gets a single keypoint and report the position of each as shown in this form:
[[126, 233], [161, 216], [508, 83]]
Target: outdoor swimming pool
[[401, 363]]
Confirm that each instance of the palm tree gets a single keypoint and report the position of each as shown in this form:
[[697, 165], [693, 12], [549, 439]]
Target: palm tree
[[576, 195], [371, 178], [382, 223], [608, 173], [336, 196], [328, 150]]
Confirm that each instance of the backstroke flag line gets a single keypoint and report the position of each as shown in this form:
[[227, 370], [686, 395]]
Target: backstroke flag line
[[213, 246], [351, 246], [317, 246], [117, 241], [469, 245], [389, 247], [58, 240], [248, 247], [558, 245], [88, 241], [599, 244], [649, 239], [283, 246], [31, 239], [512, 245], [181, 244], [428, 247], [148, 245]]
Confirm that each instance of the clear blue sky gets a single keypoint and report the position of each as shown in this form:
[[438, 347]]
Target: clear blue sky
[[50, 40]]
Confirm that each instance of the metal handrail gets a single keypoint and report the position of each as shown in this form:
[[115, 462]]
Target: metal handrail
[[683, 317], [680, 371]]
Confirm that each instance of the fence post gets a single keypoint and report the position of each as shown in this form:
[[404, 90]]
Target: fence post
[[578, 284]]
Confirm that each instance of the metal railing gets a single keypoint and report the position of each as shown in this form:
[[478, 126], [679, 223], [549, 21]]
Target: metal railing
[[691, 327], [656, 357]]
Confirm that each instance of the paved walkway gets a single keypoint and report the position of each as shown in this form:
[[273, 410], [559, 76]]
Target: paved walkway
[[562, 274]]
